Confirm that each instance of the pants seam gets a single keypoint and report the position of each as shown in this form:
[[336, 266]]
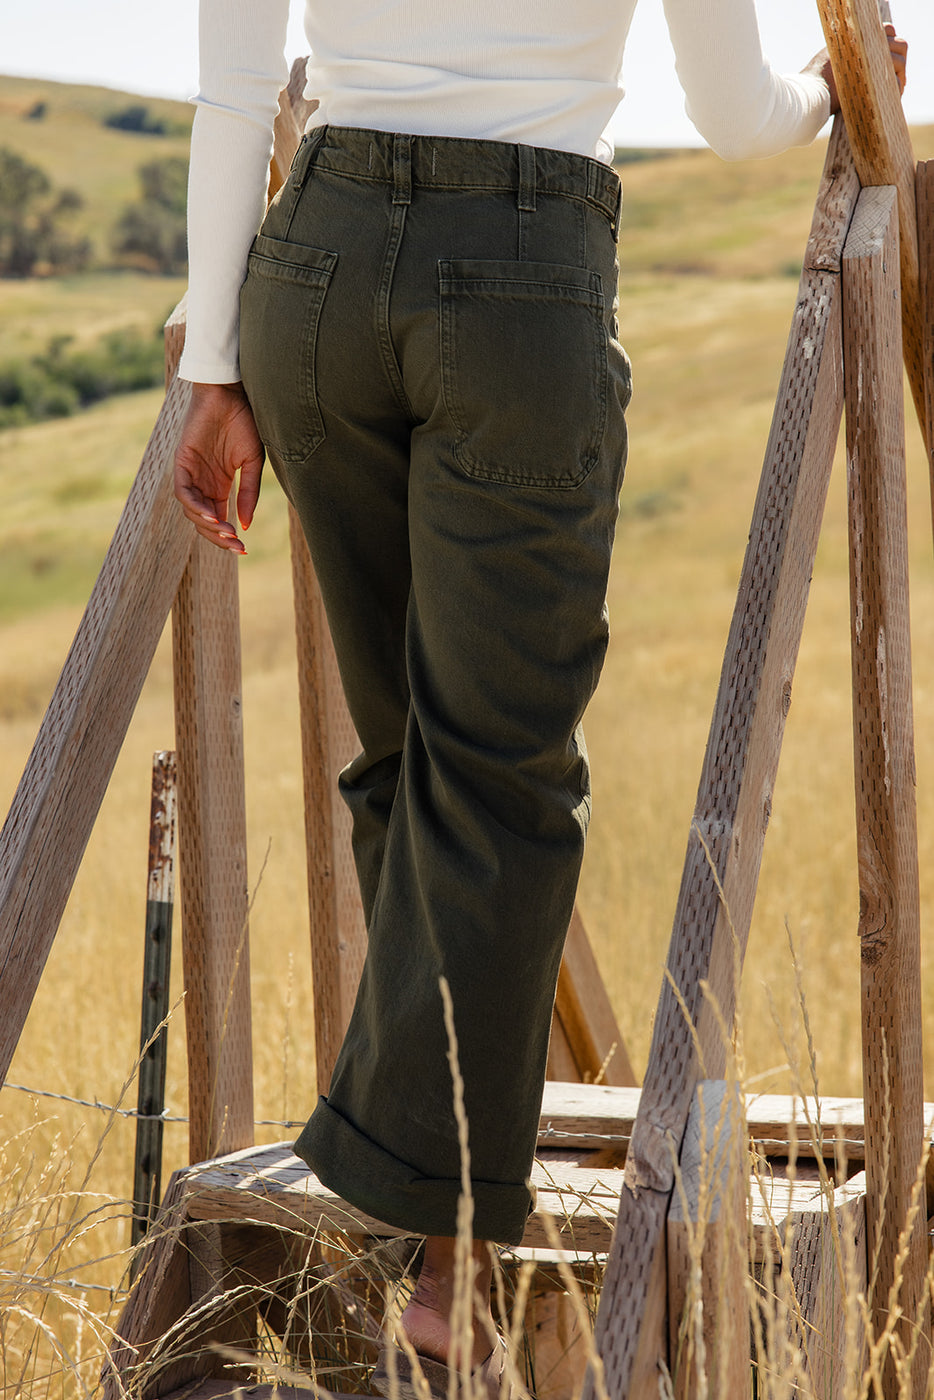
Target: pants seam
[[383, 331]]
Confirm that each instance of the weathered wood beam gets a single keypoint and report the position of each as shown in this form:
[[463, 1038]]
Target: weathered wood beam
[[329, 742], [924, 198], [735, 795], [66, 776], [708, 1253], [212, 853], [586, 1016], [889, 920], [875, 122], [817, 1297]]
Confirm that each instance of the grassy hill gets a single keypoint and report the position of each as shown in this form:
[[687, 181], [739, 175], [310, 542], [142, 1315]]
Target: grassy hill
[[75, 149]]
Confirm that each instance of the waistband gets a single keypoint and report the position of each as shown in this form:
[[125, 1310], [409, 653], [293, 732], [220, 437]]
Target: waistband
[[453, 162]]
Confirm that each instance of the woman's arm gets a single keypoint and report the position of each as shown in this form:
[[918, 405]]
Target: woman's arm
[[737, 101], [242, 69]]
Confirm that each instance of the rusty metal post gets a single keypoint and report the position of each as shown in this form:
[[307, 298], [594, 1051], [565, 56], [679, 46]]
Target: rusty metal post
[[147, 1184]]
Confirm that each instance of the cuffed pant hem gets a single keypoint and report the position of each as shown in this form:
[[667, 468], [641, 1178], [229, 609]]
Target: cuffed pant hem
[[391, 1190]]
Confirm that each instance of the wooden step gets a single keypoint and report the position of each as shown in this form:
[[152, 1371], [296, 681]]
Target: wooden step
[[601, 1116], [575, 1209]]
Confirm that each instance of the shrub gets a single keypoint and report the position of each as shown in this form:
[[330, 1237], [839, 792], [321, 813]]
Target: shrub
[[138, 118], [152, 232], [59, 381], [32, 213]]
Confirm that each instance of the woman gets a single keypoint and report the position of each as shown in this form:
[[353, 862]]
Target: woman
[[429, 356]]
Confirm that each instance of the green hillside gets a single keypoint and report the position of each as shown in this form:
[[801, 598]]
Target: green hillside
[[71, 144]]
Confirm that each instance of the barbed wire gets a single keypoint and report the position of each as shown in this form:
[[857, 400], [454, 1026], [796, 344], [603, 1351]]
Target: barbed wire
[[546, 1131], [166, 1117]]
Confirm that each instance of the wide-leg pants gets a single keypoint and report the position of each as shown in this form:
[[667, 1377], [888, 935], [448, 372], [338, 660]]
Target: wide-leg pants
[[429, 345]]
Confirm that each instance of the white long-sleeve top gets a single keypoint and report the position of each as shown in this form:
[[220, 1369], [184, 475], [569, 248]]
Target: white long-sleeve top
[[541, 72]]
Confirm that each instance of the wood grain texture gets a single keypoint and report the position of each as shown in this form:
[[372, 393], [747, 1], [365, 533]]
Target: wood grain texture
[[586, 1016], [707, 1250], [212, 853], [160, 1298], [733, 807], [828, 1266], [329, 742], [597, 1116], [66, 776], [889, 919], [882, 151], [924, 196]]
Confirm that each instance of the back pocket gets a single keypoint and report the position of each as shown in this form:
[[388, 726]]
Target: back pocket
[[280, 309], [523, 369]]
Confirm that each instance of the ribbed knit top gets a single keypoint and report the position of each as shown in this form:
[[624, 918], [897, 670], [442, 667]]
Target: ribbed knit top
[[540, 72]]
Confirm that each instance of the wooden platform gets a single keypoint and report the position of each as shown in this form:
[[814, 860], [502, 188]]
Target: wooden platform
[[237, 1231], [577, 1175]]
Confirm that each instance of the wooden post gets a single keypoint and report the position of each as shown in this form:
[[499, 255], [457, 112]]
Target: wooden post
[[585, 1016], [924, 198], [889, 921], [212, 853], [157, 961], [338, 931], [878, 133], [708, 1255], [735, 794], [828, 1274]]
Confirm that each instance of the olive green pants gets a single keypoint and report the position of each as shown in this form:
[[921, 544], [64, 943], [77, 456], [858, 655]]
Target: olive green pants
[[429, 345]]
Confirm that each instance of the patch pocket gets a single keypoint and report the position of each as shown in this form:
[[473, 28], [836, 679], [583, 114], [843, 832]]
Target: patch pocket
[[523, 369], [280, 310]]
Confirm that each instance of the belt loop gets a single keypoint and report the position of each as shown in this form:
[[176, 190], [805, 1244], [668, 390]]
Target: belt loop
[[304, 156], [527, 191], [401, 169]]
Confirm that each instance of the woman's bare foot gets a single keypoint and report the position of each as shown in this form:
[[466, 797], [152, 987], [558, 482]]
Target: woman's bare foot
[[426, 1320]]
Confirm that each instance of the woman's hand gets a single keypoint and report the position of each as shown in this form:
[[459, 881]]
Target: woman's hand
[[898, 48], [219, 439]]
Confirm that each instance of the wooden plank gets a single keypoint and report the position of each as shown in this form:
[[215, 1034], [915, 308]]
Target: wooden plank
[[586, 1016], [887, 845], [212, 853], [294, 111], [598, 1116], [707, 1250], [329, 742], [66, 776], [561, 1066], [875, 121], [828, 1271], [160, 1297], [271, 1186], [733, 806], [924, 196]]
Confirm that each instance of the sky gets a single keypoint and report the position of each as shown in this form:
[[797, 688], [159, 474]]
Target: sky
[[151, 48]]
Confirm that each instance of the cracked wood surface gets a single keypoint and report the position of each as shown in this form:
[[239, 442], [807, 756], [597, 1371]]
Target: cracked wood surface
[[886, 826]]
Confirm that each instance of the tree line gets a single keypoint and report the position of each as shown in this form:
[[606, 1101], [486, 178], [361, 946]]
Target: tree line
[[36, 221]]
